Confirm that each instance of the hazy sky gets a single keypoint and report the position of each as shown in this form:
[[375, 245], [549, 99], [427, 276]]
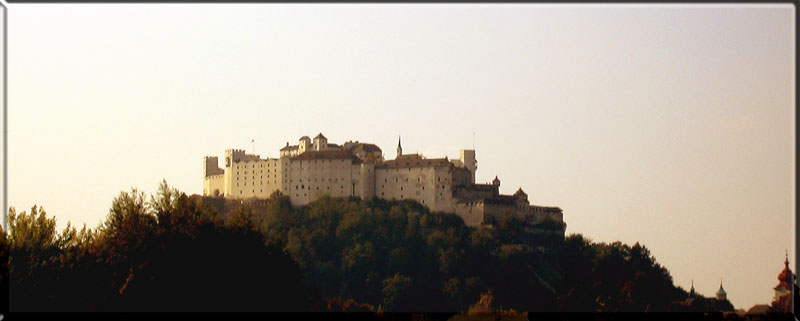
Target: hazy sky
[[671, 125]]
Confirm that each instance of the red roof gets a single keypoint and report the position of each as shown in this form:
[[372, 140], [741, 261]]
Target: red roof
[[785, 278]]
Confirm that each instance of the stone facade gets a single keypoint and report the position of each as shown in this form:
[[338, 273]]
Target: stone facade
[[314, 168]]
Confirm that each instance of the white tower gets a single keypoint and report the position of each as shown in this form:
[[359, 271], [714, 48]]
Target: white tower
[[468, 159]]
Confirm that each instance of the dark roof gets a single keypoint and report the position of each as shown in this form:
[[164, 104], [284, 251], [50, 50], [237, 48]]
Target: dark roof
[[293, 147], [758, 309], [501, 200], [320, 136], [369, 148], [520, 191], [414, 160], [305, 137], [481, 187], [325, 154], [548, 208]]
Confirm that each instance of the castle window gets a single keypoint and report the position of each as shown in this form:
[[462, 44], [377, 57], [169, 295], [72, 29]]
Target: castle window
[[240, 192], [423, 188]]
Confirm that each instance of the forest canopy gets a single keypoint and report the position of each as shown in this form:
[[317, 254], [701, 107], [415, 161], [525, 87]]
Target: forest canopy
[[173, 252]]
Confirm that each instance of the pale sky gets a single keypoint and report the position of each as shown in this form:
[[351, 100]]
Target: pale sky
[[671, 125]]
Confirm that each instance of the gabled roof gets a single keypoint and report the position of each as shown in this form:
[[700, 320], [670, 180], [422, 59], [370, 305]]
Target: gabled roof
[[414, 160], [369, 148], [320, 136], [326, 154]]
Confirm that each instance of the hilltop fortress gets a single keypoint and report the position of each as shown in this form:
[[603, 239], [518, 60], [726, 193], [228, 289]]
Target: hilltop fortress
[[309, 170]]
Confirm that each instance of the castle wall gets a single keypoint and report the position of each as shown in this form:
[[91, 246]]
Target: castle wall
[[214, 185], [367, 179], [253, 177], [309, 179], [417, 183], [494, 212], [443, 195], [471, 212]]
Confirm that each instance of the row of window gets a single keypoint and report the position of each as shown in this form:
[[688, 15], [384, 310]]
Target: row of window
[[260, 183], [260, 165]]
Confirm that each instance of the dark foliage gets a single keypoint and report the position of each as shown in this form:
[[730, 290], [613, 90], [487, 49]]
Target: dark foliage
[[171, 254], [176, 253]]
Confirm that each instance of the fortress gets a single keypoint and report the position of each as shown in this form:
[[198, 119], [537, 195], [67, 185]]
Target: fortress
[[309, 170]]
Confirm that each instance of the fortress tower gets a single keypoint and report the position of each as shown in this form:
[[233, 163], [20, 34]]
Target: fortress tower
[[468, 159]]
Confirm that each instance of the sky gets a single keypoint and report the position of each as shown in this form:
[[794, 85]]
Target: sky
[[668, 125]]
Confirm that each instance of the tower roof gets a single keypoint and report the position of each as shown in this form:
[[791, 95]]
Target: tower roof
[[785, 277], [320, 136], [721, 291]]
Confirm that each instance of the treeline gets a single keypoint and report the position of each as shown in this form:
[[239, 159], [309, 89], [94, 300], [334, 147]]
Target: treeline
[[176, 253]]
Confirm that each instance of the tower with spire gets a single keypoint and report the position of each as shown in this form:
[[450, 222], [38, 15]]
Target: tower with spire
[[784, 291], [399, 148], [691, 291], [784, 286], [721, 294]]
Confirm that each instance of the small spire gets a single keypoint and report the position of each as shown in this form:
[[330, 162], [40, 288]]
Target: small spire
[[399, 148]]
